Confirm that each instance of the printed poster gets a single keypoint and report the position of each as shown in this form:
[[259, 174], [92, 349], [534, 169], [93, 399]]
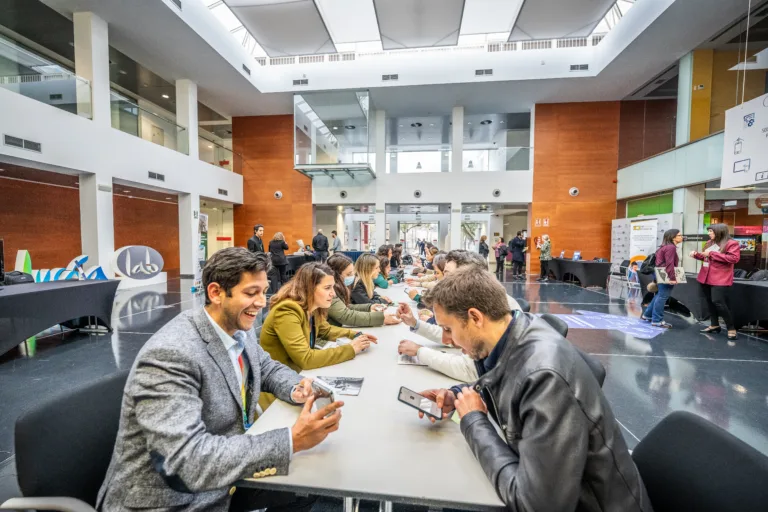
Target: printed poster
[[642, 238]]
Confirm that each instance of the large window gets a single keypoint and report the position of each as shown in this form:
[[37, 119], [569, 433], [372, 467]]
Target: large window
[[497, 142]]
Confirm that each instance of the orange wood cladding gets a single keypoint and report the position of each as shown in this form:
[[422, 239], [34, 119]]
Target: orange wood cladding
[[266, 143], [575, 145], [43, 219], [647, 128], [151, 223]]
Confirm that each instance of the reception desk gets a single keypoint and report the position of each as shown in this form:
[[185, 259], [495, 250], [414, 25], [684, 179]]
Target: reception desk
[[589, 273]]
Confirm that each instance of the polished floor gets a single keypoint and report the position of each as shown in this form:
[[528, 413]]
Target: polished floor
[[647, 378]]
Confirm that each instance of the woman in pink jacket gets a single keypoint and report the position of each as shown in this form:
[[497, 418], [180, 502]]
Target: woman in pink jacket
[[720, 255]]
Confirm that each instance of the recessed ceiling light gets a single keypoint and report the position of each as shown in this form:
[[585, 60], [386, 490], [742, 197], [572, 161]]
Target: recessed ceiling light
[[416, 125], [501, 122], [166, 96], [349, 126], [401, 126], [486, 121], [210, 146], [122, 72]]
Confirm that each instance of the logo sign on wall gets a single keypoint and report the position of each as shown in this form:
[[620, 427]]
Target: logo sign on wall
[[74, 270], [745, 151], [137, 262]]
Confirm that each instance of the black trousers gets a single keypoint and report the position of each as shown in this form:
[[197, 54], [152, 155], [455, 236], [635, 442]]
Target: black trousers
[[716, 297], [544, 268], [252, 499], [321, 256], [517, 268], [499, 264], [282, 275]]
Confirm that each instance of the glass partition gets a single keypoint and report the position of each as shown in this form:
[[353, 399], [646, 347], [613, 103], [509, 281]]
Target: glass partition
[[215, 153], [418, 143], [497, 142], [332, 128], [28, 74], [129, 117]]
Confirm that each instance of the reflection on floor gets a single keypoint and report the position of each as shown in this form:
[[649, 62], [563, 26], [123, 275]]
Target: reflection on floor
[[648, 377]]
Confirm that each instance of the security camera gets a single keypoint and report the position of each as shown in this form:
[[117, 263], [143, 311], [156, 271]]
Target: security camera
[[496, 192], [573, 191], [343, 194], [417, 194], [278, 195]]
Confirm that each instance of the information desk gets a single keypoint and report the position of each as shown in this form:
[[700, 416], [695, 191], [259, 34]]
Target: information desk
[[589, 273], [747, 300], [295, 261], [382, 450], [29, 308]]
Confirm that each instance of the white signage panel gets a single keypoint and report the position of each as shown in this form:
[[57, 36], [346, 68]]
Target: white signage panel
[[745, 156]]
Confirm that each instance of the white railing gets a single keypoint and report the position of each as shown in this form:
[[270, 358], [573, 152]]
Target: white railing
[[28, 79], [501, 46]]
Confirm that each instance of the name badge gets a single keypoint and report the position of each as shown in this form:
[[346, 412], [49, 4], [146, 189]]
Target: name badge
[[706, 264]]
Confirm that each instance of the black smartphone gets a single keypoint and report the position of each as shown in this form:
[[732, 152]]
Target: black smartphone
[[420, 402], [323, 392]]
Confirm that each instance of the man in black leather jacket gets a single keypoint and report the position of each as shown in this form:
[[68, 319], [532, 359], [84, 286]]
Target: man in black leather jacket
[[561, 448]]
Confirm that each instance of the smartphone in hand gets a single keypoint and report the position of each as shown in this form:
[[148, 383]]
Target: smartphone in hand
[[420, 403], [323, 392]]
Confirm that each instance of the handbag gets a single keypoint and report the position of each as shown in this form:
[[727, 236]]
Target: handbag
[[16, 277]]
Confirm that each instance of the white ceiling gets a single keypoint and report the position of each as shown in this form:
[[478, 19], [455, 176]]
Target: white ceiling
[[418, 23], [555, 19]]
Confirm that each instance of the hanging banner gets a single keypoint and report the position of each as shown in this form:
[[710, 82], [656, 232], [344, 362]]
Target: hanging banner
[[745, 155], [642, 238]]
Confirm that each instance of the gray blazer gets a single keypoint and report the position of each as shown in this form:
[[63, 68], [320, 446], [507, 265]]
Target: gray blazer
[[180, 443]]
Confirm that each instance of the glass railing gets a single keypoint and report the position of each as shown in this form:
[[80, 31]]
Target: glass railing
[[497, 159], [216, 154], [30, 75], [408, 162], [129, 117]]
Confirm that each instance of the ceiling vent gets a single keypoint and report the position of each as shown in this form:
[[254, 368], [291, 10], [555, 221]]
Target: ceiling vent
[[302, 81], [483, 72], [55, 97], [104, 188], [579, 67], [16, 142], [156, 176], [247, 70], [389, 78], [177, 3], [223, 192]]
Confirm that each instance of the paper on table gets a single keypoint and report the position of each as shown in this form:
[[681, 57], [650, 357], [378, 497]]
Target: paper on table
[[411, 360], [344, 385]]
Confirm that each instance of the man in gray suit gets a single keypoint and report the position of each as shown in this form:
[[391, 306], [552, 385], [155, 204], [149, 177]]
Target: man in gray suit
[[192, 394]]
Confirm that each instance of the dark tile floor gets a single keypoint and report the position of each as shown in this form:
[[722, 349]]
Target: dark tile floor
[[647, 378]]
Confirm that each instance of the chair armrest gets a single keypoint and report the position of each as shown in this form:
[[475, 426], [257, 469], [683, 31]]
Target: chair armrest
[[60, 504]]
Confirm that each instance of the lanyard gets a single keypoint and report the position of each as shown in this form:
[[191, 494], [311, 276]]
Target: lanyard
[[311, 332], [243, 372]]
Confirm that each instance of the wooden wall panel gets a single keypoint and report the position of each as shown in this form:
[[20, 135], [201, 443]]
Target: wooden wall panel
[[701, 96], [724, 86], [151, 223], [266, 143], [647, 128], [43, 219], [577, 145]]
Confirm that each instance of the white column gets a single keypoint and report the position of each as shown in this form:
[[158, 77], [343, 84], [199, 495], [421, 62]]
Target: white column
[[189, 237], [186, 116], [442, 233], [381, 224], [380, 141], [340, 225], [92, 63], [455, 226], [533, 132], [457, 135], [684, 92], [97, 227]]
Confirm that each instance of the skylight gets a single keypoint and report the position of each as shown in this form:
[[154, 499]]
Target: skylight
[[614, 15], [228, 19]]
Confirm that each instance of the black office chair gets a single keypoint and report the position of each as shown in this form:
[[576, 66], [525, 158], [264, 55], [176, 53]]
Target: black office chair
[[559, 325], [525, 307], [64, 445], [688, 463]]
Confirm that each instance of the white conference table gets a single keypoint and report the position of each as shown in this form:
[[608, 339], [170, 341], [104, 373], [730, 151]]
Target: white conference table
[[382, 450]]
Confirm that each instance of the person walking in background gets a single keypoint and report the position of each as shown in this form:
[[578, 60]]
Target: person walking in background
[[720, 254], [255, 243], [483, 248], [666, 258], [336, 247], [517, 247], [320, 245], [277, 248], [545, 256], [500, 250]]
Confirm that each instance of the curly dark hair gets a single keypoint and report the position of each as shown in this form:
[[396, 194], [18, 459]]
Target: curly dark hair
[[227, 266]]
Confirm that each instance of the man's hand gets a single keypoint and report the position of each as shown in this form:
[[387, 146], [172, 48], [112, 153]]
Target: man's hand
[[302, 391], [468, 401], [412, 293], [408, 348], [425, 315], [445, 400], [313, 427], [405, 313]]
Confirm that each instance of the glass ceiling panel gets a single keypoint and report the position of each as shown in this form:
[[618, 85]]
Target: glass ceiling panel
[[227, 18]]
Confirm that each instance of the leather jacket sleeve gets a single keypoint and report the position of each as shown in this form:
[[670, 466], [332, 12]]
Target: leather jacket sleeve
[[539, 477]]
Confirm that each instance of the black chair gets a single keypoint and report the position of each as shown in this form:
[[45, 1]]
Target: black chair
[[64, 445], [525, 307], [559, 325], [688, 463], [740, 273]]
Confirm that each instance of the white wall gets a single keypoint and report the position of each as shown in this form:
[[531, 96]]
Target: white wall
[[691, 164], [450, 187], [220, 224], [325, 220], [75, 143]]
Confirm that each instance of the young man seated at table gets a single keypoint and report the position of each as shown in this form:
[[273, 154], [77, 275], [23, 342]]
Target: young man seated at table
[[560, 447], [191, 396]]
